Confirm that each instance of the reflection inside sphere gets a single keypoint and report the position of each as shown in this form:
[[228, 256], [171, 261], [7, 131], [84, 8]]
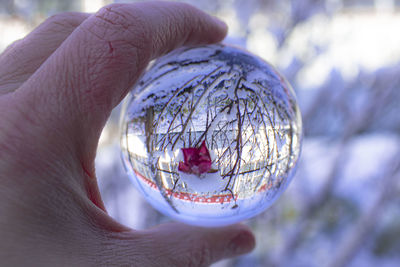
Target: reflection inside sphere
[[211, 135]]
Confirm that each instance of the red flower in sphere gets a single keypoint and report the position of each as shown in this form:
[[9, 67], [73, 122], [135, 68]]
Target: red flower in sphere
[[196, 160]]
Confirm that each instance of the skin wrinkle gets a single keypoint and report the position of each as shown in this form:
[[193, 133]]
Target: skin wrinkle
[[160, 40], [12, 132], [65, 230], [201, 256], [11, 75], [52, 218], [155, 254], [10, 47], [121, 50], [86, 148], [111, 25], [199, 251], [120, 251], [8, 87], [78, 77], [146, 246], [46, 39], [118, 248], [46, 121], [192, 31], [66, 21], [14, 76], [30, 155]]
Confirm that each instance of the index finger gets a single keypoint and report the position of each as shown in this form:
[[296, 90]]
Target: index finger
[[76, 88]]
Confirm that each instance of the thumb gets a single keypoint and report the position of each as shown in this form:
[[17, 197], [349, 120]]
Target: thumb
[[177, 244]]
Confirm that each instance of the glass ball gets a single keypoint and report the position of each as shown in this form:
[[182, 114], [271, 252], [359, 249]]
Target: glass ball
[[210, 135]]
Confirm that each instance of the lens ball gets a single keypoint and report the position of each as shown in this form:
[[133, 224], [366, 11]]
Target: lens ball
[[210, 135]]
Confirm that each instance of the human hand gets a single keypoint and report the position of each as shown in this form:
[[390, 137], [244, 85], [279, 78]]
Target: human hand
[[58, 86]]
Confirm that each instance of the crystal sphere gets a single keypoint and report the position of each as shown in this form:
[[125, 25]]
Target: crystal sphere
[[210, 135]]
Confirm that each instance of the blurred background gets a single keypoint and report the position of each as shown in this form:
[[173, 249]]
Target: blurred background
[[343, 60]]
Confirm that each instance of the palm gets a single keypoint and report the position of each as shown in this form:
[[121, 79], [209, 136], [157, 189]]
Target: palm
[[54, 104]]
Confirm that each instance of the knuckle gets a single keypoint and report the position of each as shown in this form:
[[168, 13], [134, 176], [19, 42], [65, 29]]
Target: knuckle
[[117, 37], [54, 19], [114, 21], [200, 255], [63, 21], [11, 47], [112, 15], [119, 34]]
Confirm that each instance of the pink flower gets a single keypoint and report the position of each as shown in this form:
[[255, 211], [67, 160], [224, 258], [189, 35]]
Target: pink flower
[[196, 160]]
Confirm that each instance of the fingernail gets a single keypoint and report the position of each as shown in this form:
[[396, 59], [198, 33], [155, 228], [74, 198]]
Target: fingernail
[[243, 243]]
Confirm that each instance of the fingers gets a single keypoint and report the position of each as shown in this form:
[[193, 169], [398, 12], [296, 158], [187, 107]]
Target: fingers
[[94, 68], [74, 91], [23, 57], [70, 96], [177, 244]]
